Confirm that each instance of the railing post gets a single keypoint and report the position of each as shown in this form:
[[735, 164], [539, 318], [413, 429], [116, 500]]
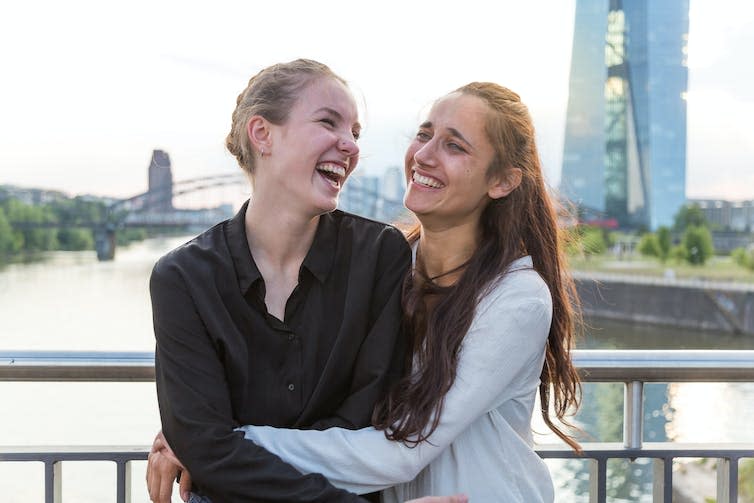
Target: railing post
[[727, 480], [53, 481], [123, 481], [662, 480], [128, 495], [597, 480], [633, 414]]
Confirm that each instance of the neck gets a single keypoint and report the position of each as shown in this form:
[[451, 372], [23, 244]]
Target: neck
[[445, 249], [278, 237]]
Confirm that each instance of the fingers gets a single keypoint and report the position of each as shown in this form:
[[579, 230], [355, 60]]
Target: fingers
[[184, 488], [161, 473], [166, 488], [170, 456], [159, 442]]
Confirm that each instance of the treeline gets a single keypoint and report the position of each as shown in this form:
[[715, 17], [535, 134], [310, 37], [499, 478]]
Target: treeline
[[694, 239], [688, 240], [75, 216]]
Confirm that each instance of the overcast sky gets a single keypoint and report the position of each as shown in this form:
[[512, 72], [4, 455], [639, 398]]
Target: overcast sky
[[90, 88]]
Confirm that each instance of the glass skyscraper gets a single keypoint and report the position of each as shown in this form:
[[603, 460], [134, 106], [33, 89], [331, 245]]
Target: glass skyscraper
[[625, 141]]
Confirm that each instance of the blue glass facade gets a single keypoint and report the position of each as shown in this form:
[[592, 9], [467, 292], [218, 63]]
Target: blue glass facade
[[625, 139]]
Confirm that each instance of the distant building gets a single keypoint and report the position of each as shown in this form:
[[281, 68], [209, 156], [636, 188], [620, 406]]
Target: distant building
[[392, 191], [31, 196], [735, 216], [160, 175], [361, 196], [625, 140], [377, 197]]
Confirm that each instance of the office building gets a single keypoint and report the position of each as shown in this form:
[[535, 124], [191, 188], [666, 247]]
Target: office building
[[160, 176], [625, 141]]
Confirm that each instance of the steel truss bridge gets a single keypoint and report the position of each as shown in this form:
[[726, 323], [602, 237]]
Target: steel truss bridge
[[147, 210]]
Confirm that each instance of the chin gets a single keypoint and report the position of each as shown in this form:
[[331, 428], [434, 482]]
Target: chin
[[326, 206], [413, 206]]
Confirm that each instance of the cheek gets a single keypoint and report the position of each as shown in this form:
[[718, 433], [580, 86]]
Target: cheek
[[408, 160]]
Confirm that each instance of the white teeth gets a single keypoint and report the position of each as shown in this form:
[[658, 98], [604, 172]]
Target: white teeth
[[332, 168], [427, 181]]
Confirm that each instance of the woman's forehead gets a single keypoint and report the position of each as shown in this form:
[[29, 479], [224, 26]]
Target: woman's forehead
[[329, 94]]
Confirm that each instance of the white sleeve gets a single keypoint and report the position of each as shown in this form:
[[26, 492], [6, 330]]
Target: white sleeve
[[506, 338]]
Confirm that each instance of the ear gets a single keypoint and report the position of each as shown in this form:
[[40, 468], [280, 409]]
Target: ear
[[258, 131], [502, 186]]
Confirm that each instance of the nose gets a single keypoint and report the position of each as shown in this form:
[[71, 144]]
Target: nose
[[348, 146], [424, 156]]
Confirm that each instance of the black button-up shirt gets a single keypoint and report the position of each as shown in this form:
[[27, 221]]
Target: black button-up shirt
[[223, 361]]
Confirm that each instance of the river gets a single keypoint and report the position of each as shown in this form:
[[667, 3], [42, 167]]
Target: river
[[70, 301]]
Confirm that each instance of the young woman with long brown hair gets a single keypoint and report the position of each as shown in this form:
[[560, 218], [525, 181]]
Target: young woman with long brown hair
[[491, 311]]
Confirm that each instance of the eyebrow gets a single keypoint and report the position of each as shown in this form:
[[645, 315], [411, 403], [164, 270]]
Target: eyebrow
[[337, 115], [453, 131]]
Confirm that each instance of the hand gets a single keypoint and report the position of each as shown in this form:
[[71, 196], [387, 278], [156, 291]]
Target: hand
[[161, 444], [458, 498], [162, 468], [161, 473]]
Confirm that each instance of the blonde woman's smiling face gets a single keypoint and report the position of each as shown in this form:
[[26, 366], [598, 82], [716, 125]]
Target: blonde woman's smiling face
[[315, 150]]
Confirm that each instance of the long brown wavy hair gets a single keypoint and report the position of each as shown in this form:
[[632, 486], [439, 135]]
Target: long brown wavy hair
[[437, 318]]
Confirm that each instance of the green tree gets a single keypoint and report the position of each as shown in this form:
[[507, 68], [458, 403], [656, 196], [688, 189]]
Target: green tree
[[689, 215], [697, 243], [126, 236], [593, 241], [743, 257], [31, 239], [7, 240], [664, 242], [678, 254], [71, 239], [746, 478], [649, 245]]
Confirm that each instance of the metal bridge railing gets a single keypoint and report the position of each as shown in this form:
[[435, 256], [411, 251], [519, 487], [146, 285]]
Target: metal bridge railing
[[631, 367]]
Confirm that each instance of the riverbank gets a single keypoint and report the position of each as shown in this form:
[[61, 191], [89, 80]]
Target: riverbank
[[718, 268], [688, 303]]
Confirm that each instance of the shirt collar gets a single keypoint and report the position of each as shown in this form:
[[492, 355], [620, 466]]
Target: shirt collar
[[247, 271], [318, 260], [321, 255]]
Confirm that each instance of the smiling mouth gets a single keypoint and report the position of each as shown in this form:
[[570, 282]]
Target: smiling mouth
[[333, 173], [426, 181]]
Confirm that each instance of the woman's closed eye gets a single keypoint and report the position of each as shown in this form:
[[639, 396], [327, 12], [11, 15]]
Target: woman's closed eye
[[423, 136], [456, 147]]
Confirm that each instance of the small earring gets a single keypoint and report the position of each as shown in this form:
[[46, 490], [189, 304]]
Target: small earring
[[261, 152]]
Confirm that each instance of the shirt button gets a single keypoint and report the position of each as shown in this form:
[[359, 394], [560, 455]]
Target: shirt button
[[291, 337], [291, 387]]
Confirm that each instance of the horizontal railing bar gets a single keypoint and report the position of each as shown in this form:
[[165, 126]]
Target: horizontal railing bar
[[595, 365], [54, 453], [76, 366], [702, 365], [591, 450], [610, 450]]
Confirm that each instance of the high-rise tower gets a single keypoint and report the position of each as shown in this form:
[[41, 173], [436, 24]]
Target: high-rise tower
[[625, 140], [160, 182]]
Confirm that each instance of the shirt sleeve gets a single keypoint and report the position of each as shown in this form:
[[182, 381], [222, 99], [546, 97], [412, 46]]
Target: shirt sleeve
[[506, 340], [381, 356], [197, 420]]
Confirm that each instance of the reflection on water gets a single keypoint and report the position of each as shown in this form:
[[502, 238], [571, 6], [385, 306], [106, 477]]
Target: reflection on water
[[71, 301], [679, 412]]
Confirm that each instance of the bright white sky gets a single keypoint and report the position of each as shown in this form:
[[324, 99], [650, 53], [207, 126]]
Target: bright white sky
[[88, 89]]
